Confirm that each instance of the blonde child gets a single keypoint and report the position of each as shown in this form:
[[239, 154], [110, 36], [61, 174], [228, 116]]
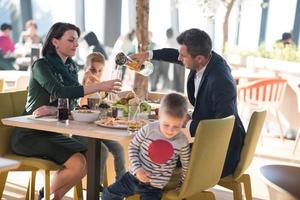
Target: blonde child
[[93, 71]]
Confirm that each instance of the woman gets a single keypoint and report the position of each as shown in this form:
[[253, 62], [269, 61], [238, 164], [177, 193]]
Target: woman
[[55, 76]]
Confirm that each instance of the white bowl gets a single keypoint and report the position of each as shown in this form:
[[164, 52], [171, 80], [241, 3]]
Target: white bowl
[[85, 115]]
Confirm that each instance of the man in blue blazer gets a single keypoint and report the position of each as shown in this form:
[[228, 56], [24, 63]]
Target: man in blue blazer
[[210, 86]]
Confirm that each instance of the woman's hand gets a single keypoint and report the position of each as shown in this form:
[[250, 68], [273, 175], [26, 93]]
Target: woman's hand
[[143, 175], [111, 85], [45, 111]]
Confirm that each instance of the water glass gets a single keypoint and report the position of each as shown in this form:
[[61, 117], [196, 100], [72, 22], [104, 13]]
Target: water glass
[[116, 74], [133, 119], [63, 110]]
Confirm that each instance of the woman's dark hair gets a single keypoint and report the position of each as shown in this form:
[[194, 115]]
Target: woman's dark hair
[[57, 31], [197, 42]]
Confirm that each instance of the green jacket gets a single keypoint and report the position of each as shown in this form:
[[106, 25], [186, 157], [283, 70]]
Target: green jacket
[[46, 85]]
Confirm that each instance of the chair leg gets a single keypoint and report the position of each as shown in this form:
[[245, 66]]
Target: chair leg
[[78, 195], [234, 186], [296, 141], [3, 177], [280, 126], [237, 191], [30, 193], [47, 185], [245, 179]]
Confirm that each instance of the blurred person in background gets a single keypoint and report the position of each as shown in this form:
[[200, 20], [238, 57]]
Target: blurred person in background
[[7, 48], [28, 40], [30, 35], [285, 41], [7, 45], [178, 70]]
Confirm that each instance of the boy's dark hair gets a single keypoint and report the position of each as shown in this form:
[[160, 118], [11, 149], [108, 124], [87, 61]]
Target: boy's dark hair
[[174, 104], [57, 31], [197, 42], [5, 26]]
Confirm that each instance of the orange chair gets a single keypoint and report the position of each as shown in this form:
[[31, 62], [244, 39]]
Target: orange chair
[[264, 94], [298, 132]]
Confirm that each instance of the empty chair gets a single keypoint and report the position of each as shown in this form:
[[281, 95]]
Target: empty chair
[[233, 182], [264, 94]]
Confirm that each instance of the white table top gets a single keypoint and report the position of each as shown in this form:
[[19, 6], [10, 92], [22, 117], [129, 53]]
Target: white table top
[[8, 164], [74, 128], [12, 75]]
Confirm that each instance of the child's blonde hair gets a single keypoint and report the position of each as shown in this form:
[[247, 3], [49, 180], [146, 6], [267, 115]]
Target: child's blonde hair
[[91, 58], [174, 104]]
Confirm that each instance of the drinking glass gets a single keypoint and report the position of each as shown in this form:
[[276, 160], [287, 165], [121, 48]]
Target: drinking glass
[[133, 119], [63, 110], [116, 74]]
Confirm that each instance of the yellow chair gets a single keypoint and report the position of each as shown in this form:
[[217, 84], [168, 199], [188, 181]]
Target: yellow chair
[[1, 85], [233, 182], [12, 104], [206, 162]]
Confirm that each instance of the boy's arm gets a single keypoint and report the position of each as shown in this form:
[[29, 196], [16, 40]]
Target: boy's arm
[[134, 149], [184, 159]]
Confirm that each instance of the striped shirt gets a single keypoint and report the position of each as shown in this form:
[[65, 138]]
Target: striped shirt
[[158, 155]]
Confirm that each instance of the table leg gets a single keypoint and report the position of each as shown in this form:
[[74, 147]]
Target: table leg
[[93, 170]]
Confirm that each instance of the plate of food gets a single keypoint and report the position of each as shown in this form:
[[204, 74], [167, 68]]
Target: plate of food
[[112, 122]]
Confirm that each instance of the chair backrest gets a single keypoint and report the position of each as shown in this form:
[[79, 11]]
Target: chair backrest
[[1, 85], [22, 83], [207, 156], [253, 132], [12, 104], [266, 92]]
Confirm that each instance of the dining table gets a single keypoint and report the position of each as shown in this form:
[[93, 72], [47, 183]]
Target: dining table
[[93, 132], [8, 164]]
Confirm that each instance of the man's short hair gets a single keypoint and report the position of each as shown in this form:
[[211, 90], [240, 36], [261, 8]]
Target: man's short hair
[[5, 26], [174, 104], [197, 42]]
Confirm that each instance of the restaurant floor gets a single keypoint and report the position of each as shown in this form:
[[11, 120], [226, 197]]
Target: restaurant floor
[[272, 151]]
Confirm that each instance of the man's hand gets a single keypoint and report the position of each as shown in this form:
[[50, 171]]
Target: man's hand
[[140, 57], [142, 175]]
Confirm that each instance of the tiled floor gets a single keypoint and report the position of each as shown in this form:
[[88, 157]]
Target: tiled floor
[[272, 151]]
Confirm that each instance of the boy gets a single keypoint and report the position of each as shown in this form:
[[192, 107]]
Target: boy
[[154, 152]]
